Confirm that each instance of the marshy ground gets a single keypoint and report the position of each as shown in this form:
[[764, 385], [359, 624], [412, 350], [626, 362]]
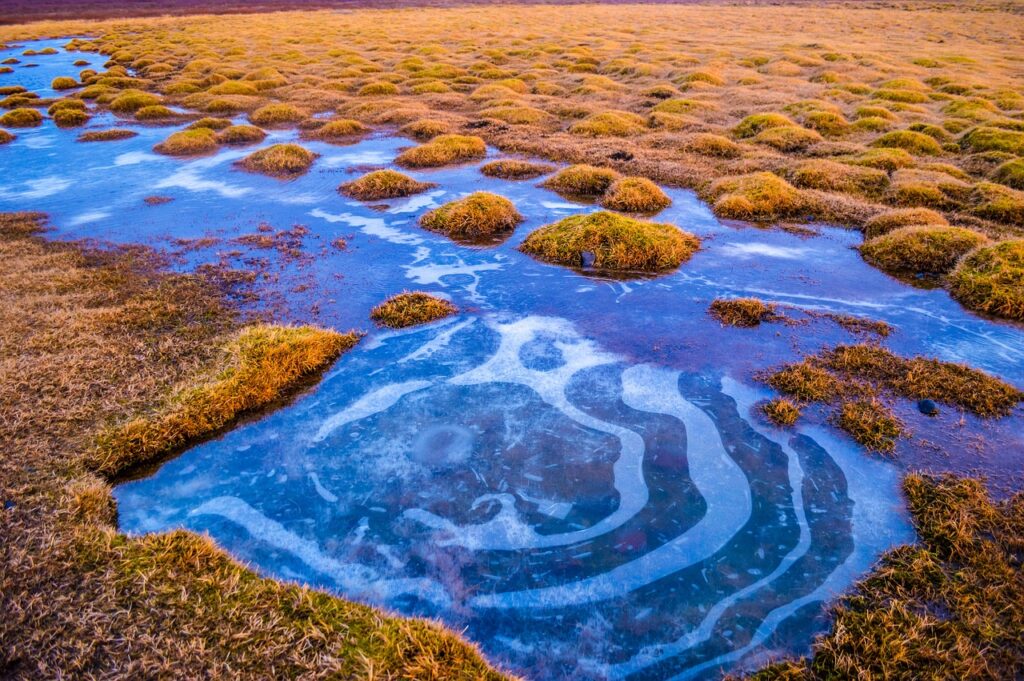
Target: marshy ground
[[509, 205]]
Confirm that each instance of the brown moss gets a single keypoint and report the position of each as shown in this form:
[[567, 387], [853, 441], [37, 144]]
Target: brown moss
[[921, 249], [443, 150], [781, 412], [21, 118], [609, 124], [64, 83], [130, 101], [6, 137], [111, 135], [478, 216], [276, 115], [377, 89], [1011, 174], [582, 180], [70, 118], [188, 143], [616, 242], [910, 141], [238, 135], [991, 280], [839, 177], [804, 381], [426, 128], [383, 184], [156, 112], [788, 138], [758, 196], [279, 160], [743, 312], [215, 124], [635, 195], [709, 144], [411, 308], [902, 217], [338, 130], [514, 169]]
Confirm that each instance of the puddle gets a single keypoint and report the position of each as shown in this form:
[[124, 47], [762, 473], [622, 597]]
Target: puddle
[[570, 469]]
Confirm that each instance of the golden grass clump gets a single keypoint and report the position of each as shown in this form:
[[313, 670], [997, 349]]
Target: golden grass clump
[[383, 184], [480, 215], [6, 137], [617, 242], [833, 176], [997, 203], [610, 124], [212, 123], [239, 135], [70, 118], [443, 150], [635, 195], [279, 160], [742, 312], [788, 138], [410, 308], [21, 118], [155, 112], [514, 169], [264, 361], [378, 88], [110, 135], [758, 196], [710, 144], [781, 412], [130, 101], [921, 249], [913, 142], [426, 128], [1011, 174], [338, 130], [805, 381], [64, 83], [993, 139], [754, 124], [902, 217], [582, 180], [991, 280], [871, 424], [189, 143], [276, 115]]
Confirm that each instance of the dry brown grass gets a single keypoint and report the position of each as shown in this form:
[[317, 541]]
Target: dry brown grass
[[947, 608], [781, 411], [991, 280], [101, 336], [443, 150], [481, 215], [383, 184], [744, 312], [279, 160], [514, 169], [410, 308]]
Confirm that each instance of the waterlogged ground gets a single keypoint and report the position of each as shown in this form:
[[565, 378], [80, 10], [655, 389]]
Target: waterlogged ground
[[571, 468]]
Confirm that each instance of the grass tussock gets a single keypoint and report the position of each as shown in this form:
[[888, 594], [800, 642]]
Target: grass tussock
[[758, 196], [240, 135], [279, 160], [481, 215], [338, 130], [991, 280], [70, 118], [781, 412], [947, 607], [616, 242], [582, 180], [277, 115], [635, 195], [21, 118], [443, 150], [130, 101], [514, 169], [743, 312], [410, 308], [111, 135], [921, 249], [189, 143], [101, 335], [871, 424], [902, 217], [383, 184]]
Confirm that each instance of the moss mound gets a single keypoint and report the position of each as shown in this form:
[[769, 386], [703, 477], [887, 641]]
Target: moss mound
[[902, 217], [155, 112], [993, 139], [1011, 174], [758, 196], [189, 143], [998, 203], [279, 160], [839, 177], [378, 88], [426, 128], [635, 195], [239, 135], [910, 141], [609, 124], [67, 103], [443, 150], [21, 118], [276, 115], [757, 123], [64, 83], [991, 280], [582, 180], [411, 308], [616, 242], [110, 135], [743, 312], [383, 184], [6, 137], [211, 123], [477, 216], [130, 101], [710, 144], [513, 169], [932, 250], [788, 138], [70, 118], [339, 130]]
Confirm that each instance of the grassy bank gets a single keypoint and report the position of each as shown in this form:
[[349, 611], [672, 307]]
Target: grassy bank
[[106, 361]]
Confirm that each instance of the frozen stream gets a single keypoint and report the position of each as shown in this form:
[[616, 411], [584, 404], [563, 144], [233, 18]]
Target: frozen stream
[[571, 468]]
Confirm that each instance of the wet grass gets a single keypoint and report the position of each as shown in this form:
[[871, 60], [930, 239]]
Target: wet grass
[[743, 312], [279, 160], [195, 142], [947, 607], [383, 184], [513, 169], [615, 242], [480, 215], [781, 411], [103, 336], [582, 180], [410, 308]]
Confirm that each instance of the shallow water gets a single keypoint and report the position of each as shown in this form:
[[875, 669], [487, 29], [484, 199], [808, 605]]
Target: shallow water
[[571, 468]]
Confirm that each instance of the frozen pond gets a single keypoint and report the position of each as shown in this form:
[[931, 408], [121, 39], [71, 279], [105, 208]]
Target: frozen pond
[[571, 468]]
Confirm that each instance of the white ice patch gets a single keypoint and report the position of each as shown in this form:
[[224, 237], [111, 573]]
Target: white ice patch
[[366, 157], [189, 179], [38, 189], [720, 480], [416, 203], [368, 405], [373, 226], [86, 218], [324, 493], [436, 273], [752, 250], [356, 580], [437, 343], [131, 158]]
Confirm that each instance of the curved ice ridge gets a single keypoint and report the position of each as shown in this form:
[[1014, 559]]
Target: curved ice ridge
[[717, 477], [354, 579]]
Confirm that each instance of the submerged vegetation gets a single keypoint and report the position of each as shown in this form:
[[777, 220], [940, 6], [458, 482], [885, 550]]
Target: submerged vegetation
[[410, 308], [478, 216], [611, 242]]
